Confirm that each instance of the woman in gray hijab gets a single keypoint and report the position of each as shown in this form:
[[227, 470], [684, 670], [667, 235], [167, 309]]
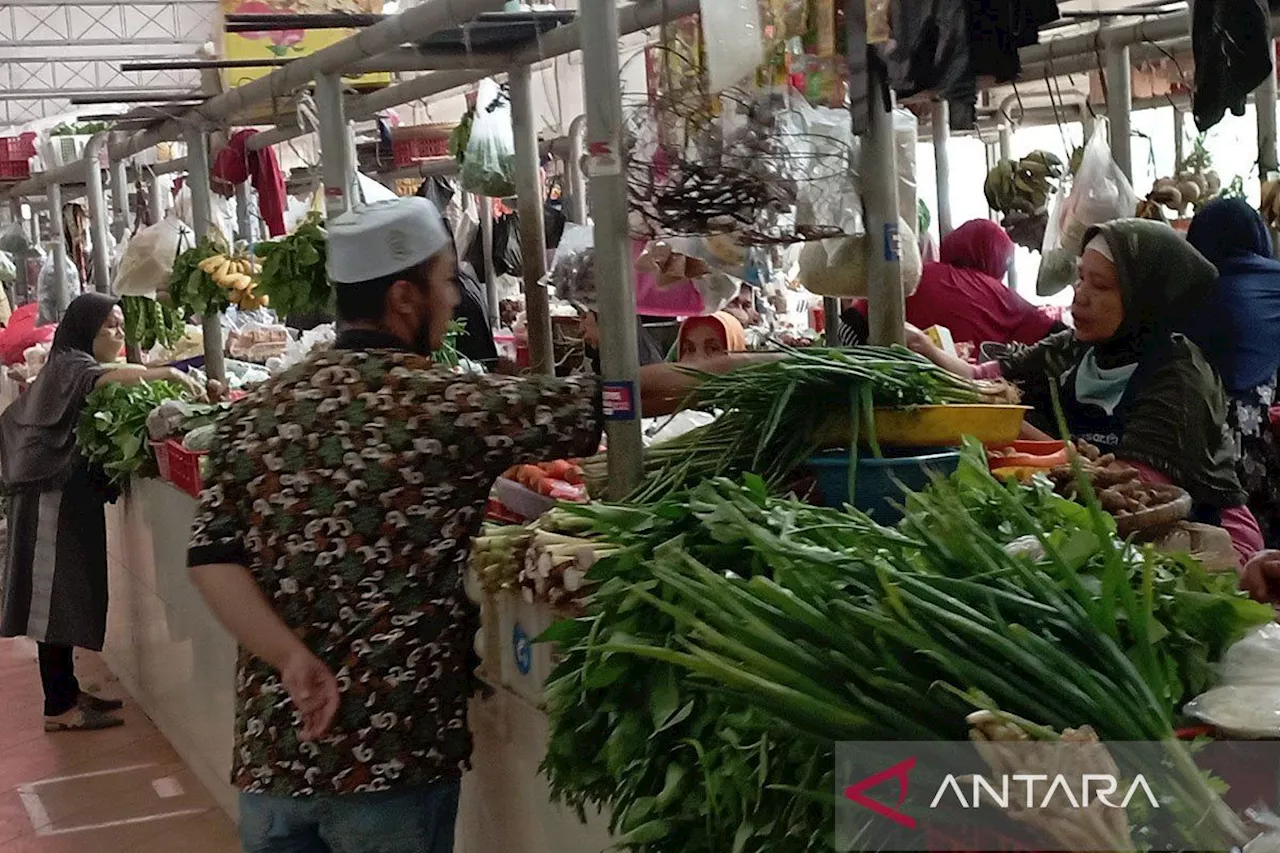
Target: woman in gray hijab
[[55, 578]]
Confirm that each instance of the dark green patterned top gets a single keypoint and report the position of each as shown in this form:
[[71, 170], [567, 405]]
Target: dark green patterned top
[[351, 487]]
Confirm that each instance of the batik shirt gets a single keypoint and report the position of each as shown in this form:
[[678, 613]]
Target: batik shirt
[[351, 487]]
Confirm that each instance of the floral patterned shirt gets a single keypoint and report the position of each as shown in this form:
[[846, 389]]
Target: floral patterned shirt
[[351, 487]]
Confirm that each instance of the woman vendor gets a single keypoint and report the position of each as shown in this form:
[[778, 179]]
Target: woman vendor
[[1238, 328], [1127, 382], [54, 583], [707, 337]]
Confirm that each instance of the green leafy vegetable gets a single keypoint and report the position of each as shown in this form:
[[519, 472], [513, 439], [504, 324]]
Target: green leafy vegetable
[[191, 288], [293, 270], [112, 431]]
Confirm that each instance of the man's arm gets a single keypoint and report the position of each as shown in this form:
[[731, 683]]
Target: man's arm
[[240, 606]]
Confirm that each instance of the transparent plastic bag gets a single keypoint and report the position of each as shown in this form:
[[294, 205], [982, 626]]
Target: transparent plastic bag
[[489, 167], [147, 264], [53, 298], [1099, 193], [1246, 702]]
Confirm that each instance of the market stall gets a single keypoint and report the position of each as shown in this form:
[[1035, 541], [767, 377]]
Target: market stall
[[1041, 588]]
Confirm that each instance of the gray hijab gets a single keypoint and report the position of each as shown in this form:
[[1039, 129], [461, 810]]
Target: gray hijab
[[38, 430]]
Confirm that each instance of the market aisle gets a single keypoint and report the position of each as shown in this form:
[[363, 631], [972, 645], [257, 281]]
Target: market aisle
[[114, 791]]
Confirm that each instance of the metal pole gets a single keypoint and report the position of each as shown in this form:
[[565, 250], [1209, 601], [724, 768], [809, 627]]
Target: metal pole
[[533, 239], [490, 274], [942, 164], [886, 305], [1006, 153], [334, 157], [577, 180], [1120, 107], [606, 173], [202, 220], [54, 193], [97, 213], [120, 223], [155, 199], [244, 222], [1265, 103], [1179, 139]]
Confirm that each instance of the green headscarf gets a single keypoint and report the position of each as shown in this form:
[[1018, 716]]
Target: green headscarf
[[1175, 410], [1160, 276]]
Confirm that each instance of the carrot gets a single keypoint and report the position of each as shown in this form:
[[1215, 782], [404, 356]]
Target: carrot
[[559, 469]]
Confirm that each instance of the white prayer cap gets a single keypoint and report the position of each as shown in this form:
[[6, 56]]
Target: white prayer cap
[[383, 238]]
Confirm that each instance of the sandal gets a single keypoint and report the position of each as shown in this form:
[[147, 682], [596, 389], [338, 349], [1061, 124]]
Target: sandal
[[89, 702], [81, 720]]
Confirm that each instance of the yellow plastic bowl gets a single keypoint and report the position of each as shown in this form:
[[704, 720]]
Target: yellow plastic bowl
[[939, 426]]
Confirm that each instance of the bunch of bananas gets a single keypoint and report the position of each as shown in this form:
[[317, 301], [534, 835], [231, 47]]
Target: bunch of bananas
[[1023, 186], [235, 276]]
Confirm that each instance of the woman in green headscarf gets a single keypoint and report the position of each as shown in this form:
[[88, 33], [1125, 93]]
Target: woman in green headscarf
[[1128, 382]]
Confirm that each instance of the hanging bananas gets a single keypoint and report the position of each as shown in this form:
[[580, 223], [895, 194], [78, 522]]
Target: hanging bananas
[[236, 277], [1023, 186]]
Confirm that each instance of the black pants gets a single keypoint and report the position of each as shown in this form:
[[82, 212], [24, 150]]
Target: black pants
[[58, 674]]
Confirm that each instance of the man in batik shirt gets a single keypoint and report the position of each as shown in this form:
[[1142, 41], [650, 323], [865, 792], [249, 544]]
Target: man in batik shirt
[[333, 538]]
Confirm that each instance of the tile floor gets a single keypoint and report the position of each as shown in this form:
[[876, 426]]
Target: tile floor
[[115, 791]]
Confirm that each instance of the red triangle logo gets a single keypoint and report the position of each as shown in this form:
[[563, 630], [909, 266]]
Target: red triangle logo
[[901, 772]]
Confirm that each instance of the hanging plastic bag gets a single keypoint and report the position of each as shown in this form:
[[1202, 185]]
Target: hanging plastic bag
[[147, 264], [838, 266], [52, 297], [1100, 192], [489, 167], [8, 271]]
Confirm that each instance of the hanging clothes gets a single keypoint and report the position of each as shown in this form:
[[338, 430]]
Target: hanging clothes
[[237, 164], [1231, 43]]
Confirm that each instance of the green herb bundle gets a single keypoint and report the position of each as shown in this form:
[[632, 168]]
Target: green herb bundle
[[112, 431], [774, 414], [193, 290], [148, 322], [806, 626], [293, 270]]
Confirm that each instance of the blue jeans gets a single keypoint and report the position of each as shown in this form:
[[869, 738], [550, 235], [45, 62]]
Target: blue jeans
[[415, 819]]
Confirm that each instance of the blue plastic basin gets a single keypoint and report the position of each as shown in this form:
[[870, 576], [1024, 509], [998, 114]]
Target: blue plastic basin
[[878, 479]]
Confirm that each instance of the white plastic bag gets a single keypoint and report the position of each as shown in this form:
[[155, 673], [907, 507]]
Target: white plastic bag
[[8, 272], [838, 266], [1100, 192], [1246, 702], [147, 264], [489, 165]]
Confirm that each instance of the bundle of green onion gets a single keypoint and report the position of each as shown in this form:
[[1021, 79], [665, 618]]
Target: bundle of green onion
[[774, 414], [806, 626]]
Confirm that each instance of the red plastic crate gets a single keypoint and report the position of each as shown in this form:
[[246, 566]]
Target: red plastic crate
[[161, 450], [10, 169], [184, 468], [416, 143]]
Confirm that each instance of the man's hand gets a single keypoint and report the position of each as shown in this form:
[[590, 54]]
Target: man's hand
[[314, 692], [1260, 577]]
